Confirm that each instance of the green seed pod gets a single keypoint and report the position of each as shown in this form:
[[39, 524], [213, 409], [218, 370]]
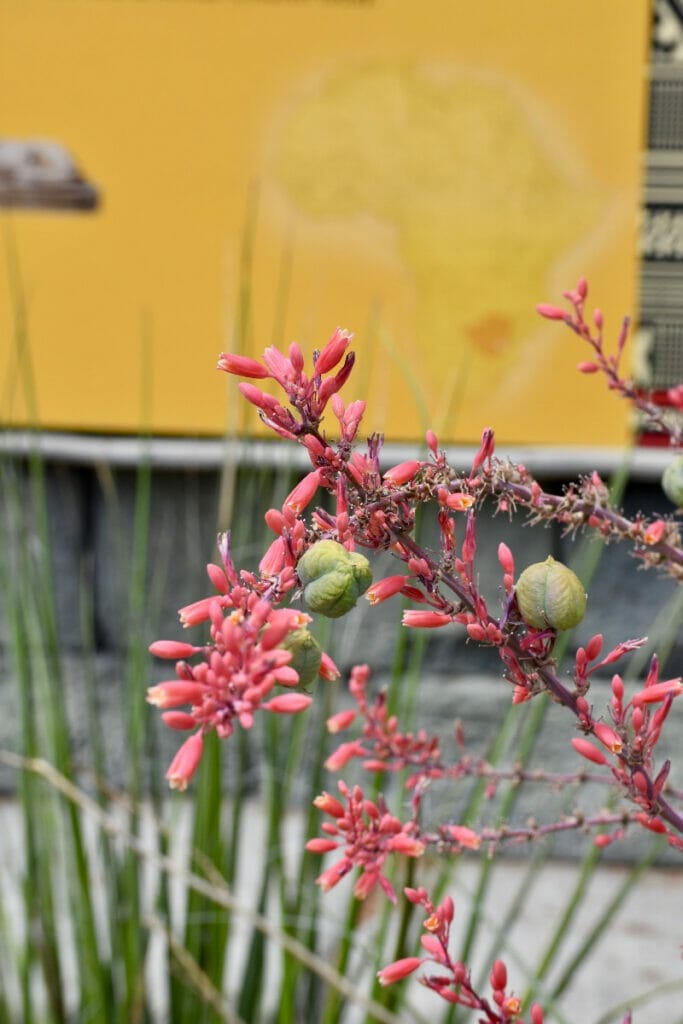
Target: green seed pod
[[672, 482], [550, 594], [333, 578], [306, 654], [361, 571]]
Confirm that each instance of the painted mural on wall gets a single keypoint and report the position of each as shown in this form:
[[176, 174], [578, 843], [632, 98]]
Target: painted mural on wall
[[421, 180], [404, 155]]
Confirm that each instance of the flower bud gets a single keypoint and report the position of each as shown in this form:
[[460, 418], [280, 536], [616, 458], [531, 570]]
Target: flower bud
[[672, 481], [306, 655], [333, 578], [550, 594]]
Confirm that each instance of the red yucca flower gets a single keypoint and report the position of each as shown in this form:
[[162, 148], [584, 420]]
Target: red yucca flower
[[236, 676]]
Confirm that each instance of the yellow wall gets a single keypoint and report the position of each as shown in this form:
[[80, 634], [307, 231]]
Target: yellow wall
[[420, 173]]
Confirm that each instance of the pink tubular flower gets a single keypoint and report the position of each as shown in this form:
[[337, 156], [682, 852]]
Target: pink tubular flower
[[465, 837], [606, 839], [398, 969], [180, 720], [432, 442], [328, 669], [594, 646], [587, 750], [296, 357], [368, 834], [403, 472], [476, 631], [288, 703], [655, 531], [349, 417], [426, 620], [485, 450], [551, 312], [273, 561], [407, 845], [199, 611], [321, 845], [386, 588], [340, 378], [434, 948], [218, 578], [658, 691], [333, 351], [329, 804], [342, 720], [506, 559], [608, 737], [459, 501], [275, 521], [653, 824], [259, 398], [343, 754], [498, 978], [241, 366], [469, 544], [334, 874], [174, 650], [520, 694], [176, 692], [282, 621], [303, 493], [185, 763], [280, 366]]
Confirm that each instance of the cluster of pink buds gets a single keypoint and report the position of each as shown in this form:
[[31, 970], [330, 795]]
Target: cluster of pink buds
[[608, 363], [238, 670], [628, 744], [309, 395], [453, 983], [367, 834], [383, 746]]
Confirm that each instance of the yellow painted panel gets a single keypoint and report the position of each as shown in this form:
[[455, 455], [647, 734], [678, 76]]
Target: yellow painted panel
[[420, 173]]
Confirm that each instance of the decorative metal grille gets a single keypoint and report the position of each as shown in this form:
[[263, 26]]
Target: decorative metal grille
[[666, 354], [662, 234], [666, 111], [661, 296]]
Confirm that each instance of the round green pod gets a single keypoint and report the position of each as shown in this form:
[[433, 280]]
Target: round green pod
[[306, 654], [672, 481], [361, 571], [332, 578], [550, 594], [322, 557]]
